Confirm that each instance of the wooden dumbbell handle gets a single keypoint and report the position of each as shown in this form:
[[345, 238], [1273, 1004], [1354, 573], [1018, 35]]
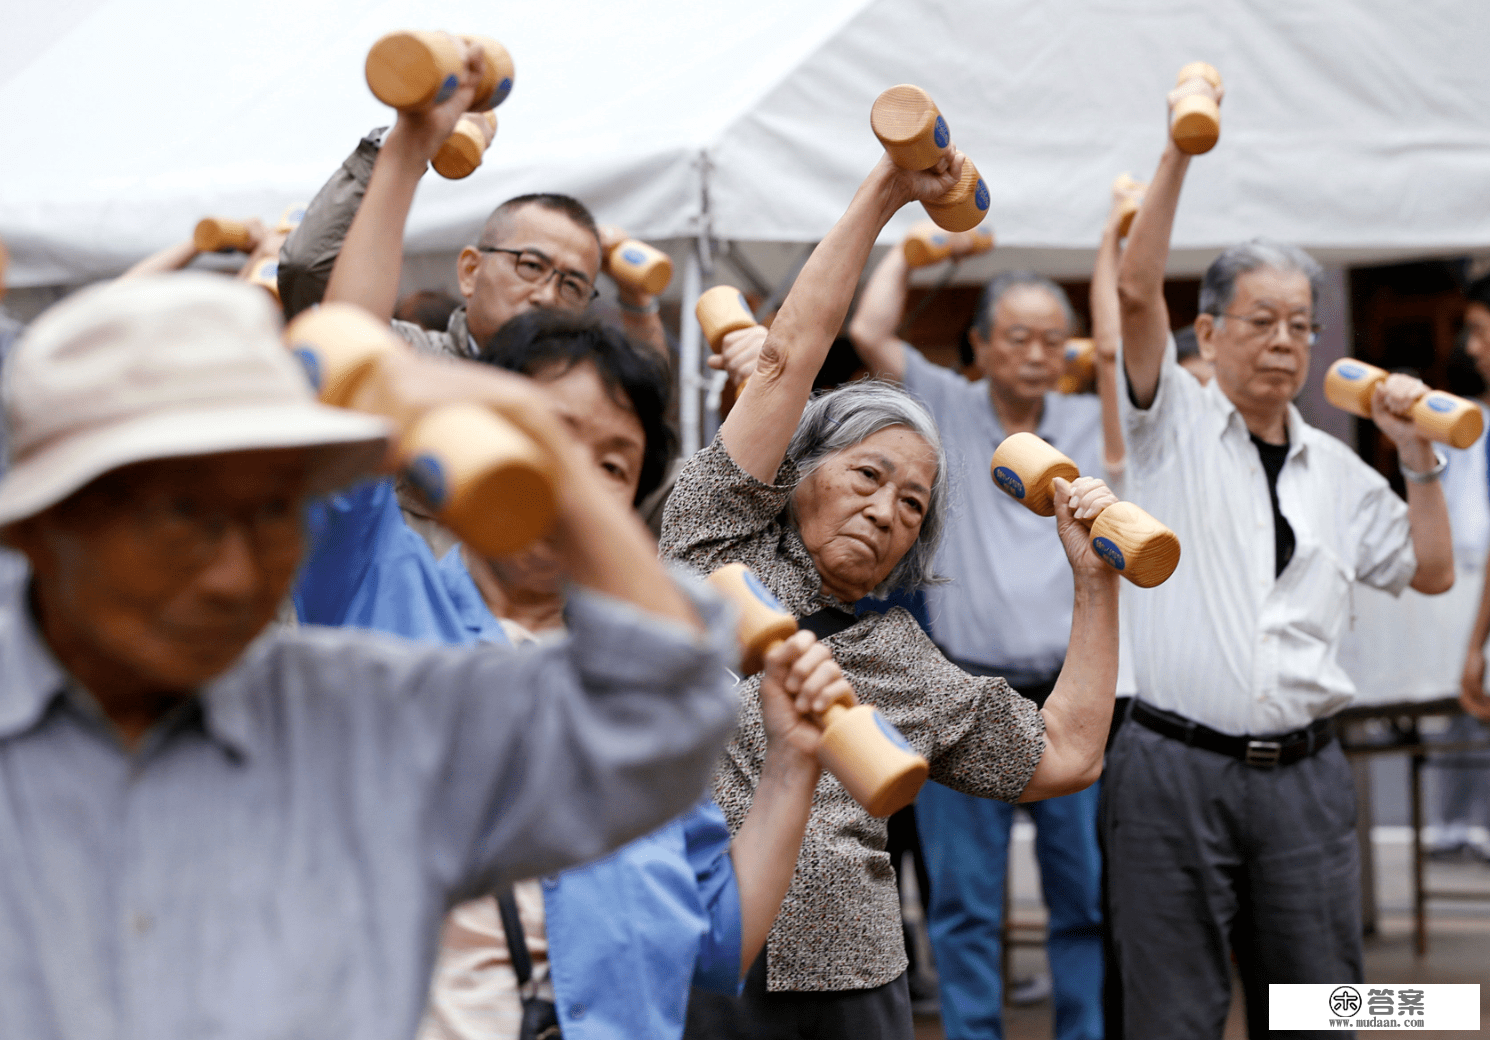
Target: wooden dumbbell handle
[[1349, 385]]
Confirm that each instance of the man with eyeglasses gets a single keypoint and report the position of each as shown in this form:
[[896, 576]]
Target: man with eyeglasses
[[536, 250], [1229, 809], [1006, 611]]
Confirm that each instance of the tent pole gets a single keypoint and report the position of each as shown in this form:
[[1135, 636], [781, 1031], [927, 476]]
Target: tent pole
[[689, 381]]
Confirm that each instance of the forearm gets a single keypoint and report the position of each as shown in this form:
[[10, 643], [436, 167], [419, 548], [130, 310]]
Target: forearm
[[171, 258], [606, 547], [761, 424], [1432, 539], [1078, 713], [881, 308], [1107, 334], [764, 852], [1144, 316], [368, 267], [1480, 633]]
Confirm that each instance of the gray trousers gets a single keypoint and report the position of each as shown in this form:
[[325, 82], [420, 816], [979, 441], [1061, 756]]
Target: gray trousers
[[1207, 857]]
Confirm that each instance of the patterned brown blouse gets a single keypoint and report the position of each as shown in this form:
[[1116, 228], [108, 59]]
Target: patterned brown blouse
[[839, 926]]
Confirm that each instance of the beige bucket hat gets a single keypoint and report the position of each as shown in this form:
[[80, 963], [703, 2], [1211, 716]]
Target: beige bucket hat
[[159, 367]]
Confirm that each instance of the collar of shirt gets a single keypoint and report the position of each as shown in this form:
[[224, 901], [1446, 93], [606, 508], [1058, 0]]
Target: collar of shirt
[[31, 679], [466, 597], [1050, 419], [1231, 423]]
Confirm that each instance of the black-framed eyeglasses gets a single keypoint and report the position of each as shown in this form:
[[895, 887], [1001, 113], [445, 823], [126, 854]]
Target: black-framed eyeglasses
[[1260, 326], [533, 266]]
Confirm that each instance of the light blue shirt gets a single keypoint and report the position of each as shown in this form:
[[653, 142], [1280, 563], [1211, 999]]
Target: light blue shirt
[[276, 857], [1009, 602], [628, 934]]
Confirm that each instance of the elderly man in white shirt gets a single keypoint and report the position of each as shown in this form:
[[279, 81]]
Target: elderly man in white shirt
[[1229, 823]]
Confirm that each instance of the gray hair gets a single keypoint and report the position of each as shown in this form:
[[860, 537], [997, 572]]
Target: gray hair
[[1218, 288], [1001, 285], [849, 415]]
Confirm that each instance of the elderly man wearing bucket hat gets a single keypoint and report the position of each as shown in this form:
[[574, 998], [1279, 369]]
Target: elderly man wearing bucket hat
[[213, 827]]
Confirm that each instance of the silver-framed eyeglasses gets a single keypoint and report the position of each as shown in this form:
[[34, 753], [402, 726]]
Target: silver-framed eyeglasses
[[1261, 326], [533, 266]]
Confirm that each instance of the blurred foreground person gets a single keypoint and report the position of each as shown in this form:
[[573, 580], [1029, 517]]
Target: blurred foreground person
[[1229, 809], [212, 827]]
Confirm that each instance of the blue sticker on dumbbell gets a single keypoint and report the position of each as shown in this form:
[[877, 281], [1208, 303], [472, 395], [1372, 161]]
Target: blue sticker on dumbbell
[[891, 733], [633, 255], [939, 240], [1071, 351], [1349, 371], [447, 88], [980, 196], [1007, 479], [428, 478], [270, 270], [1109, 552], [761, 592], [941, 135], [1441, 405], [311, 365], [503, 89]]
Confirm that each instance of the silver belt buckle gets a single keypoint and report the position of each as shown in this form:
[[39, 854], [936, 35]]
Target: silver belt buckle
[[1263, 754]]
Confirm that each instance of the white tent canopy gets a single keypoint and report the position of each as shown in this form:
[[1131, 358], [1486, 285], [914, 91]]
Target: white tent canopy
[[1359, 129]]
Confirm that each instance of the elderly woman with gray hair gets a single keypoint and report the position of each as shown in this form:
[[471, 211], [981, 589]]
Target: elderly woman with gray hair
[[831, 499]]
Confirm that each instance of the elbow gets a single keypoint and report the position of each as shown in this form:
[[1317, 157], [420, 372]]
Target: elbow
[[1433, 581], [1133, 297]]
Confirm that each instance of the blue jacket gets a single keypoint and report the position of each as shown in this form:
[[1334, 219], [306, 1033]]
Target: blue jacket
[[628, 934]]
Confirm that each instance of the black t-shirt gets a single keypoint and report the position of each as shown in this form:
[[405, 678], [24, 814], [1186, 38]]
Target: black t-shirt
[[1272, 456]]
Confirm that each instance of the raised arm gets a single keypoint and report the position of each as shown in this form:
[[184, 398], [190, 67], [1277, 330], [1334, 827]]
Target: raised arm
[[1145, 317], [761, 424], [881, 308], [1107, 333], [370, 261]]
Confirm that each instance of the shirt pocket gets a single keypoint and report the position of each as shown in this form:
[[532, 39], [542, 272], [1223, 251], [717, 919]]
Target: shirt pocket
[[1312, 595]]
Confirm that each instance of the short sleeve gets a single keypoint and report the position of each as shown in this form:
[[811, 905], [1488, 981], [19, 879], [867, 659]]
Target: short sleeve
[[1385, 558], [1148, 432], [720, 514], [937, 386]]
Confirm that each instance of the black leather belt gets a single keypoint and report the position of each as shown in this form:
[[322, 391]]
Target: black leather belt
[[1259, 752]]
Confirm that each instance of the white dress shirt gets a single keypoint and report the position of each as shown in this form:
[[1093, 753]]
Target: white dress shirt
[[1223, 642]]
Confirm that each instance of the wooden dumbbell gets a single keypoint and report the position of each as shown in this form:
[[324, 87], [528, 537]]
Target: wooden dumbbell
[[914, 134], [636, 265], [484, 478], [927, 244], [1136, 545], [1438, 416], [1195, 123], [720, 311], [1081, 366], [869, 757], [289, 220], [1132, 192], [265, 275], [217, 233], [462, 152], [412, 70]]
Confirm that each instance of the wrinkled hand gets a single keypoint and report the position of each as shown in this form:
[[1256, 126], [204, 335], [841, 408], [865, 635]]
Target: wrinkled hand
[[1472, 697], [610, 237], [1082, 499], [420, 134], [257, 233], [1393, 399], [923, 185], [739, 353], [801, 680]]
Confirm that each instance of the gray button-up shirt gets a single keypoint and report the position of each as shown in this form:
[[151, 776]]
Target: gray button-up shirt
[[275, 858]]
